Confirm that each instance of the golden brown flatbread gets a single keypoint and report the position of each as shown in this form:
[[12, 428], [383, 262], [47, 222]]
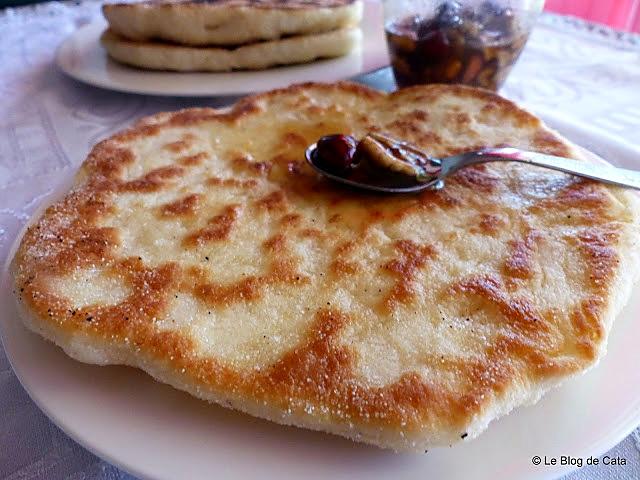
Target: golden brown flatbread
[[198, 246]]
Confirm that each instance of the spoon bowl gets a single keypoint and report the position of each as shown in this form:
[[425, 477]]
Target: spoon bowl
[[449, 165], [380, 186]]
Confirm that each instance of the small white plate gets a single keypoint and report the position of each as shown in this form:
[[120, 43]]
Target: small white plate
[[82, 57], [156, 432]]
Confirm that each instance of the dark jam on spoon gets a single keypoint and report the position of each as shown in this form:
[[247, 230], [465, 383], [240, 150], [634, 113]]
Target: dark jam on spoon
[[334, 153], [375, 160], [458, 45]]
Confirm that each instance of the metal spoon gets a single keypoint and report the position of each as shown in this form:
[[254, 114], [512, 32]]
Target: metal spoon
[[439, 169]]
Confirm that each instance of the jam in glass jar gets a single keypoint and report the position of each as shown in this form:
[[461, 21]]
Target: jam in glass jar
[[444, 41]]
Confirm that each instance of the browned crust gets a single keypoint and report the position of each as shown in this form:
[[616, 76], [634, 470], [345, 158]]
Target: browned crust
[[253, 4], [185, 206], [412, 257], [318, 370], [218, 228]]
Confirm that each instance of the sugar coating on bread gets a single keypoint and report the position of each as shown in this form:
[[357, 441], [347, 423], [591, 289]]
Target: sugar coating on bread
[[198, 246]]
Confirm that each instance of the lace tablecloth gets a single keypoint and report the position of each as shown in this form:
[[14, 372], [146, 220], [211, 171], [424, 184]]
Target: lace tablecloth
[[48, 123]]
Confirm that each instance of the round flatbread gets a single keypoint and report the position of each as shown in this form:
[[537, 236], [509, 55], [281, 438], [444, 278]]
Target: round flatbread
[[256, 56], [200, 247], [229, 22]]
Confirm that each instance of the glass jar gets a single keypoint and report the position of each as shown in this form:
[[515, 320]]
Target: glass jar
[[471, 42]]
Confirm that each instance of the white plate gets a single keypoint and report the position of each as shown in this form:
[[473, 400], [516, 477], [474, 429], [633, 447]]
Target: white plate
[[156, 432], [82, 57]]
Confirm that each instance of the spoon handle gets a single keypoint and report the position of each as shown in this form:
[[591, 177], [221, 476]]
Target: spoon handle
[[602, 173]]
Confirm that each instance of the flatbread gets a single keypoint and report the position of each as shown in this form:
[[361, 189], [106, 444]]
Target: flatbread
[[262, 55], [199, 247], [229, 22]]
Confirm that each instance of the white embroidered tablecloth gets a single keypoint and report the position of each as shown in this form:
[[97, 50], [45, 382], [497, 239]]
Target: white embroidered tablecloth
[[584, 76]]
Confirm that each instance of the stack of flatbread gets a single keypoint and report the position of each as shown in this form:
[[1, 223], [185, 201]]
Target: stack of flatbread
[[223, 35]]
